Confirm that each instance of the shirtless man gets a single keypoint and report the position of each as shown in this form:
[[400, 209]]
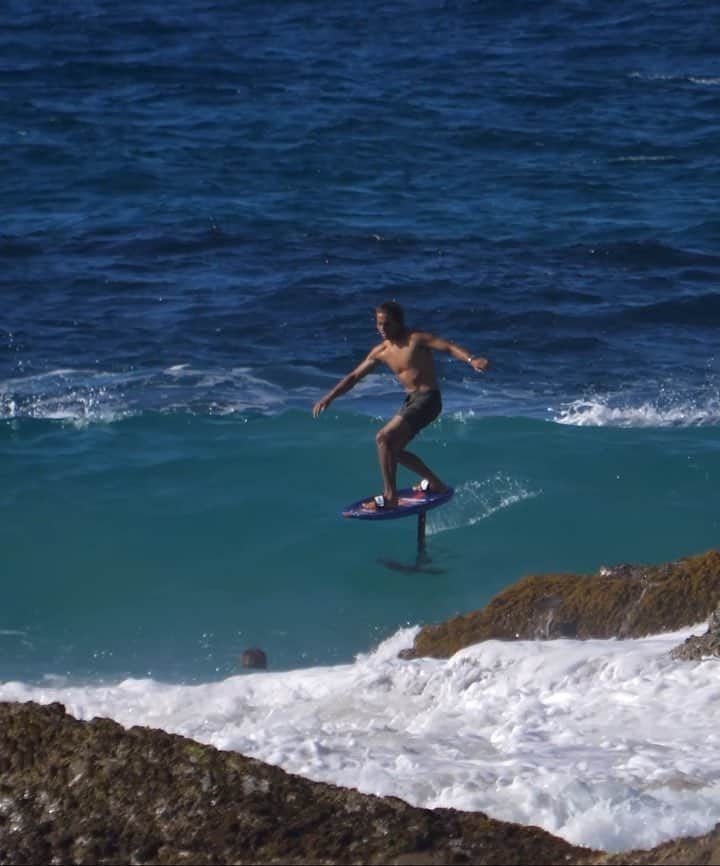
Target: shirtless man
[[408, 353]]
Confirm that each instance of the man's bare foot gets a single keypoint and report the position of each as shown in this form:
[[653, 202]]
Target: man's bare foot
[[427, 486], [379, 503]]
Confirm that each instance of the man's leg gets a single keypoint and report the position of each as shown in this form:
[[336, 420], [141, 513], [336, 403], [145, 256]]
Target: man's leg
[[415, 464], [390, 441], [420, 410]]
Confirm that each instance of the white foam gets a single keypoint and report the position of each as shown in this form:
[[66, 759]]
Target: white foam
[[610, 744], [619, 412], [643, 158], [82, 397], [703, 80], [79, 397]]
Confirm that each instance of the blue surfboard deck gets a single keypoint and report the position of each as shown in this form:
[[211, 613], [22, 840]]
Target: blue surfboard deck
[[410, 502]]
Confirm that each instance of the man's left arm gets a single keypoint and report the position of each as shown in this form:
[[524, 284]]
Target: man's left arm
[[458, 352]]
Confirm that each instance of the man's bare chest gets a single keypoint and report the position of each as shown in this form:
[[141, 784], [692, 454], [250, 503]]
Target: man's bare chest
[[403, 358]]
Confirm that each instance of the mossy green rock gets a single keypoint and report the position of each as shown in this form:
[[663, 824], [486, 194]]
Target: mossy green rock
[[624, 601], [93, 792]]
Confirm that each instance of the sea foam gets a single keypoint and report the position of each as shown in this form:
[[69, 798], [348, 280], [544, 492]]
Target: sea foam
[[619, 412], [597, 741]]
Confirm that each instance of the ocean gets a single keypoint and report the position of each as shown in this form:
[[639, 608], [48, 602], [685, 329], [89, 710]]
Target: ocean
[[202, 206]]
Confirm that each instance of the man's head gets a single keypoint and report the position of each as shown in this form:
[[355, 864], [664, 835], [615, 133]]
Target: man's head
[[390, 319]]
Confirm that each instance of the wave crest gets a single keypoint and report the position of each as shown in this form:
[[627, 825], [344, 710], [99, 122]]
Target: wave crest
[[604, 412]]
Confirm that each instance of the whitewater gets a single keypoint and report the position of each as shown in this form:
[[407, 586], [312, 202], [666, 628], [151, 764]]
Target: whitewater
[[609, 744]]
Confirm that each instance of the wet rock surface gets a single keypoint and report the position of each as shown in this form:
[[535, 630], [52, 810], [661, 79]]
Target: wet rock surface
[[93, 792], [621, 601], [698, 647]]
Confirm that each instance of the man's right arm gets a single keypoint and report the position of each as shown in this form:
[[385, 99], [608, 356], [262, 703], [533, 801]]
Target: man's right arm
[[347, 382]]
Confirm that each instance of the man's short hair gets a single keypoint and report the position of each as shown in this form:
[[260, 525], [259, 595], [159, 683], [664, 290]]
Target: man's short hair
[[394, 311]]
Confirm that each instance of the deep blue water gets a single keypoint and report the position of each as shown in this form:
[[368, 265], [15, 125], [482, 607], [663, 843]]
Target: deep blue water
[[202, 206]]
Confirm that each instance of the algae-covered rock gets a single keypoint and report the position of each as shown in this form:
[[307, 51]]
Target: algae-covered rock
[[685, 851], [623, 601], [93, 792]]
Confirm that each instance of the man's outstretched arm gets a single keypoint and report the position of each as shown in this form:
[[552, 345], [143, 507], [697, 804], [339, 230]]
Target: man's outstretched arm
[[458, 352], [346, 383]]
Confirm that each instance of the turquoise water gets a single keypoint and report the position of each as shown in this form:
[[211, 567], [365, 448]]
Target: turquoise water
[[165, 545], [201, 210]]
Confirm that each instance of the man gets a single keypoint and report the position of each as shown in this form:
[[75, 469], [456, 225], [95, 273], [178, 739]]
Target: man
[[408, 353]]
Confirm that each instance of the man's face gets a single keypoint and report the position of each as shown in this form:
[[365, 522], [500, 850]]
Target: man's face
[[386, 325]]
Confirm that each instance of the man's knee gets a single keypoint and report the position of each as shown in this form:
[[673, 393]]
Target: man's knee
[[383, 438], [394, 438]]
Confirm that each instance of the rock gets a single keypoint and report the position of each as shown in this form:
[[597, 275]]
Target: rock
[[688, 851], [622, 601], [93, 792], [253, 658], [707, 646]]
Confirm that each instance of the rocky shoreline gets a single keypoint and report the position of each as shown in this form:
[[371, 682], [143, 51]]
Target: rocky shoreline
[[623, 601], [95, 792]]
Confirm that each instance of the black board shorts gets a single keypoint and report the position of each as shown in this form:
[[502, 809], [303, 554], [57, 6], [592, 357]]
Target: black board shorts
[[420, 409]]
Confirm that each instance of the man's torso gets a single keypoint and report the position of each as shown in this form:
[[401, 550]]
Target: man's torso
[[411, 362]]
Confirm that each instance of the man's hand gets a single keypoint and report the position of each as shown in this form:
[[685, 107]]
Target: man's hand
[[320, 406], [480, 364]]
